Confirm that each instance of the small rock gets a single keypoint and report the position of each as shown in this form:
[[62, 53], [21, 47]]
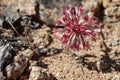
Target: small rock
[[112, 11], [110, 19], [106, 3], [116, 77], [115, 42], [37, 74], [108, 44], [17, 67], [92, 4], [115, 0], [27, 53]]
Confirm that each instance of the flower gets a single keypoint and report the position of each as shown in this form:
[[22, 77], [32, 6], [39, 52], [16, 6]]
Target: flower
[[79, 27]]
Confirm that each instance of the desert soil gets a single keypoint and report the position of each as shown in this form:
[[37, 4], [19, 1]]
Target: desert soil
[[68, 64]]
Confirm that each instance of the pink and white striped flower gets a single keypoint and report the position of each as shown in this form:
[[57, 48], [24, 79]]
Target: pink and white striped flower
[[78, 27]]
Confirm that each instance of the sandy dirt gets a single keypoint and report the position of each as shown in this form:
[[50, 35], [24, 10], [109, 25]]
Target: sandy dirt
[[68, 64]]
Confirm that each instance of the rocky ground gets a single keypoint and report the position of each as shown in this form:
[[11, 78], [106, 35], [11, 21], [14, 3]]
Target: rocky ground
[[58, 63]]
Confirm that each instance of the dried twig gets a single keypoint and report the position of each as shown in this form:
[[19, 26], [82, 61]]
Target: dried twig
[[12, 26]]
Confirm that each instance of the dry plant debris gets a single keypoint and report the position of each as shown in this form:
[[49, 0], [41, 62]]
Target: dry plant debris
[[29, 51]]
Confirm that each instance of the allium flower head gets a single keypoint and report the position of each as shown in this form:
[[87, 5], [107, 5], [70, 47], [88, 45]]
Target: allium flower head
[[79, 27]]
